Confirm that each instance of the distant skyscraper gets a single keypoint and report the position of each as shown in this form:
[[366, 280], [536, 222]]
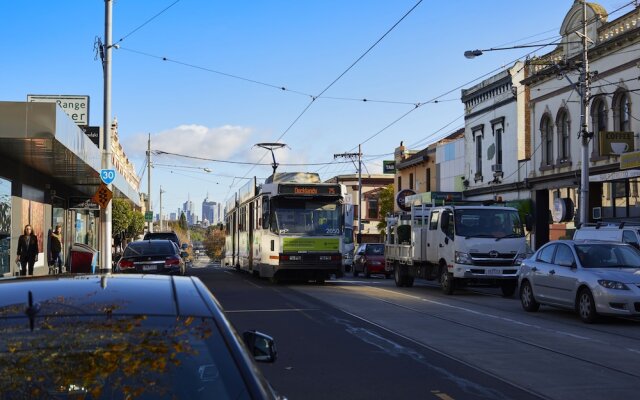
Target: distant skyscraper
[[173, 217], [209, 210], [187, 208]]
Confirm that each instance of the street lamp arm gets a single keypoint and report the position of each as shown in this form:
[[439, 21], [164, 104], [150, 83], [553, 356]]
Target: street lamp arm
[[478, 52]]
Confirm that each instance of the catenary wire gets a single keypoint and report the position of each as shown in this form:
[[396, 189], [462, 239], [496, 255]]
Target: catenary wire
[[146, 22]]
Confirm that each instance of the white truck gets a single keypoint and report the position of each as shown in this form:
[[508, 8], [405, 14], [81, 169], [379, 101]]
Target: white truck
[[457, 245]]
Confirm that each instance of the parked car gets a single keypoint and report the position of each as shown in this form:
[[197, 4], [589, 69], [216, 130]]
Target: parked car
[[369, 259], [124, 336], [590, 277], [613, 232], [163, 236], [152, 257]]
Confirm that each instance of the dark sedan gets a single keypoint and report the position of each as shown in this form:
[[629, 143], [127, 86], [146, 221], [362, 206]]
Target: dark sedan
[[124, 336], [152, 257]]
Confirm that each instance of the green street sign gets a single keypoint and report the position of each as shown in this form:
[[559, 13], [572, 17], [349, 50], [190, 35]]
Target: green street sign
[[148, 216]]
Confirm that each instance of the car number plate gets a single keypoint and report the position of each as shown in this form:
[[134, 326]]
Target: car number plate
[[149, 267], [493, 271]]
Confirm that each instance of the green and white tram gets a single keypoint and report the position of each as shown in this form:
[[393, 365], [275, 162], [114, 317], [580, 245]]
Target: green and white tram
[[290, 227]]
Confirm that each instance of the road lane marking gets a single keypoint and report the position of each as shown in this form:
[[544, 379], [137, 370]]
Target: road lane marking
[[254, 284], [273, 310]]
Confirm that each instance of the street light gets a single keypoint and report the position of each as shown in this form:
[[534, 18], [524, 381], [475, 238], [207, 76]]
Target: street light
[[475, 53]]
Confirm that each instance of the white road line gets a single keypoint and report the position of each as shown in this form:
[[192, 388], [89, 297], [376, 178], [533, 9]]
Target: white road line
[[254, 284]]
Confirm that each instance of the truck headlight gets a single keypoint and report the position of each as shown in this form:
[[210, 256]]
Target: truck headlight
[[462, 258], [613, 284]]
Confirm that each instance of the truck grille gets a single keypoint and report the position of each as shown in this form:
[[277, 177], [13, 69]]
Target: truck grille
[[485, 259]]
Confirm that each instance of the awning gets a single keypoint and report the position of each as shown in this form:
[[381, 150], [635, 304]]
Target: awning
[[43, 137]]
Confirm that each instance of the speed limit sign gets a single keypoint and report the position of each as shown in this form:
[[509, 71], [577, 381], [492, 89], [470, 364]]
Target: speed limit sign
[[107, 175]]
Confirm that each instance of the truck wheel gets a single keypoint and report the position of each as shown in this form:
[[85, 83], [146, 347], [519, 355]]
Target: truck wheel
[[446, 280], [397, 276], [408, 281], [367, 274], [508, 288]]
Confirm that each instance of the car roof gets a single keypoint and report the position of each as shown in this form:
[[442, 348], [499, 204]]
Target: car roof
[[130, 294], [588, 241]]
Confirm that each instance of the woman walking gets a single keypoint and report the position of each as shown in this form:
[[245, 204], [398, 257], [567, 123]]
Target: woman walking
[[27, 251], [55, 250]]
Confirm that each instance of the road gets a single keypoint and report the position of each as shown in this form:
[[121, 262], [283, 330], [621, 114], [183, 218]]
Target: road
[[365, 338]]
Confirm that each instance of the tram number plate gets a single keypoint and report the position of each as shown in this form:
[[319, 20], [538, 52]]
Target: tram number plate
[[295, 258], [149, 267], [493, 271]]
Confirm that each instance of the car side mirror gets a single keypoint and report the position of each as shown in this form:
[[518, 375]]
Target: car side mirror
[[184, 254], [262, 347], [528, 222], [184, 246]]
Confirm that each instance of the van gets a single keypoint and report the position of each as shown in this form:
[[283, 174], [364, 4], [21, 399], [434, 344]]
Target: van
[[621, 233]]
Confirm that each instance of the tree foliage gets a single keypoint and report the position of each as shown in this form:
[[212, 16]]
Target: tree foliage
[[120, 216], [214, 243], [386, 205], [183, 222], [136, 226]]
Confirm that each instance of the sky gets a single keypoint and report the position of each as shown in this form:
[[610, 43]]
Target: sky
[[218, 91]]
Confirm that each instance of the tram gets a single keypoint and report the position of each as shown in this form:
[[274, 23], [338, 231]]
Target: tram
[[290, 227]]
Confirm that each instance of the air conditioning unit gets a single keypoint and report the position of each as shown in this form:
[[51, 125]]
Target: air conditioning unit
[[496, 168]]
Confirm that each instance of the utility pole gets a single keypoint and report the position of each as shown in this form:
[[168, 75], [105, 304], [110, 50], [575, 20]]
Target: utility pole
[[352, 156], [105, 215], [161, 191], [150, 223], [585, 135]]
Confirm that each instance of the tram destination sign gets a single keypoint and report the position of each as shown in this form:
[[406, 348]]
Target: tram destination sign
[[309, 190]]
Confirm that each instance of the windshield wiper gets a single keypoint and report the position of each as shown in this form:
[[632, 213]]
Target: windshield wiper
[[511, 235], [482, 235]]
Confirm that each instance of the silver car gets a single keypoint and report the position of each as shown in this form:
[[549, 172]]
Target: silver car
[[590, 277]]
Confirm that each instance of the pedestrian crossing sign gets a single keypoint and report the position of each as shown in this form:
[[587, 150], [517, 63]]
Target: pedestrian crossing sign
[[103, 196]]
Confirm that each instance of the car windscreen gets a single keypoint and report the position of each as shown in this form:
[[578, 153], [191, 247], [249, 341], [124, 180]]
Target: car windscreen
[[606, 255], [375, 250], [105, 357], [149, 248]]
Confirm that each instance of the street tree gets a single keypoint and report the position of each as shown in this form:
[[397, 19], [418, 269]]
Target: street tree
[[121, 216], [386, 205], [214, 244]]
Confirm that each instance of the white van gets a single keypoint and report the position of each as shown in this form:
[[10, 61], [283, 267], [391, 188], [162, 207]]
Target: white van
[[620, 233]]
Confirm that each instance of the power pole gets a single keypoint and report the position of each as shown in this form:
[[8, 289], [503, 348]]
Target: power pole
[[352, 156], [585, 135], [105, 215], [150, 223], [161, 191]]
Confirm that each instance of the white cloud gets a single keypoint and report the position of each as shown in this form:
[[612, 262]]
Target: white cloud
[[196, 140]]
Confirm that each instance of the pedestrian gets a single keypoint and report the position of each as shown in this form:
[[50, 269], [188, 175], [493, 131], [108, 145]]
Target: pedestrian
[[55, 249], [27, 251]]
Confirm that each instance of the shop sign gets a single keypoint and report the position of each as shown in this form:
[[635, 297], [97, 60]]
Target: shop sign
[[615, 176], [562, 209], [82, 203], [401, 199], [388, 166], [93, 133], [630, 160], [76, 107], [613, 143]]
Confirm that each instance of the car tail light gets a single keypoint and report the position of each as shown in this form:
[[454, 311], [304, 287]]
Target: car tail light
[[172, 261], [125, 264]]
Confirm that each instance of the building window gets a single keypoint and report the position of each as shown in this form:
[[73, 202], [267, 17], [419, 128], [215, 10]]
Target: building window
[[478, 156], [411, 181], [622, 112], [598, 122], [546, 132], [399, 183], [499, 146], [428, 186], [372, 209], [563, 126]]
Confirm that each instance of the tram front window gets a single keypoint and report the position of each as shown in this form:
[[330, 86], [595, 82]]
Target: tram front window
[[302, 217]]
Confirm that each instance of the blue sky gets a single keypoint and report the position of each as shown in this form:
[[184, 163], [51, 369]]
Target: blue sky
[[303, 45]]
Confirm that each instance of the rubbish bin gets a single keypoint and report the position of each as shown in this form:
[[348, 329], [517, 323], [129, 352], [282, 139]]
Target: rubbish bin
[[82, 259]]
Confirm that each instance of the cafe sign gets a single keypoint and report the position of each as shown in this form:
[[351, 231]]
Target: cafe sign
[[630, 160], [615, 143]]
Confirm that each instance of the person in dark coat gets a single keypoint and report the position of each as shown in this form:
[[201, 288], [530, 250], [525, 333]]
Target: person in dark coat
[[55, 248], [27, 250]]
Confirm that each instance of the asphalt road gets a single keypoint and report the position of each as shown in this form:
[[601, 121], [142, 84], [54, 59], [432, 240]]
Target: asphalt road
[[327, 352]]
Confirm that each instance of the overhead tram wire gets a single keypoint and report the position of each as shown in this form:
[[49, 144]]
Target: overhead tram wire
[[340, 76], [162, 152], [146, 22]]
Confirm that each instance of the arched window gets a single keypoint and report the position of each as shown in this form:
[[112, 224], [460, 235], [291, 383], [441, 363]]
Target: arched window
[[546, 134], [563, 125], [598, 122], [622, 113]]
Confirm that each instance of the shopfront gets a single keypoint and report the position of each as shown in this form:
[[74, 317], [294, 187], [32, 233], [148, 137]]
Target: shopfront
[[5, 226], [618, 194]]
